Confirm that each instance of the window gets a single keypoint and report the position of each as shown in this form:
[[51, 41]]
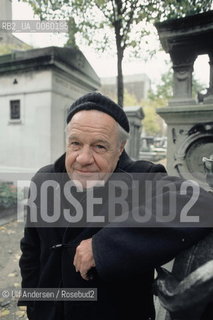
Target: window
[[15, 112]]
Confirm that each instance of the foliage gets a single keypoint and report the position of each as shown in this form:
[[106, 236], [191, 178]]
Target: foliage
[[130, 99], [158, 98], [152, 123], [72, 30], [120, 23], [95, 20], [172, 9], [5, 49], [164, 92], [8, 48], [8, 195]]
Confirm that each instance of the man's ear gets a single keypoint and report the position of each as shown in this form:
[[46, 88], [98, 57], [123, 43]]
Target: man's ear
[[121, 149]]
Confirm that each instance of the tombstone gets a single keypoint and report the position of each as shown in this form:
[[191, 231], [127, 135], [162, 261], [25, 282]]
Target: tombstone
[[135, 116], [190, 144], [37, 88], [190, 122]]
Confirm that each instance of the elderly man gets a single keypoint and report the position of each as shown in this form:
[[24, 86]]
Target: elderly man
[[118, 262]]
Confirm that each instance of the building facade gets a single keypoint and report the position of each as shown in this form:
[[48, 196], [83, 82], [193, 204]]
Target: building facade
[[37, 88], [137, 85]]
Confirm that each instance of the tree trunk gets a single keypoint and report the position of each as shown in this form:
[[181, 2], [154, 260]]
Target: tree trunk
[[117, 9], [120, 85]]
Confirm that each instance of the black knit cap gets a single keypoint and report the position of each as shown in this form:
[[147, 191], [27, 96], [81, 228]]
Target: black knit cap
[[97, 101]]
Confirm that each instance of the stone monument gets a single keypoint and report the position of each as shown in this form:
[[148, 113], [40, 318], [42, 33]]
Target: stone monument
[[37, 88], [135, 115], [187, 292], [190, 121]]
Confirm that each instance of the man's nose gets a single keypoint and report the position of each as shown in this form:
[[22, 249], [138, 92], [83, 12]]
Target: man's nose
[[85, 156]]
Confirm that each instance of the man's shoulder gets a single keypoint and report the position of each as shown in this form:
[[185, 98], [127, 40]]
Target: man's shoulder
[[46, 169], [146, 166], [43, 173], [139, 166], [50, 169]]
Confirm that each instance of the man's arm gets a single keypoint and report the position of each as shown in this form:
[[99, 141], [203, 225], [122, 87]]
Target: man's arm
[[121, 251]]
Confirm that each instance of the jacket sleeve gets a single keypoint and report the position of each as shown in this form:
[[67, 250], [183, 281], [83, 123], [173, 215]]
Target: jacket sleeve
[[157, 168], [122, 251]]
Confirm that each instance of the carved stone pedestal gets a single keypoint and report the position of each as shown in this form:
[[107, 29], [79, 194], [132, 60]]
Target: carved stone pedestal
[[190, 137], [135, 116], [190, 126], [190, 122]]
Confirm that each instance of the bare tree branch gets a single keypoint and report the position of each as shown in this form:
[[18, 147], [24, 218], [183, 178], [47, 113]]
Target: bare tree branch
[[129, 23]]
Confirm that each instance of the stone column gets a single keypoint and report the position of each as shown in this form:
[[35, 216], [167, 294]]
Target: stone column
[[135, 115], [189, 122], [183, 62], [209, 97]]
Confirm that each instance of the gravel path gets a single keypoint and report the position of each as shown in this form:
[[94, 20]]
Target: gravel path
[[10, 280]]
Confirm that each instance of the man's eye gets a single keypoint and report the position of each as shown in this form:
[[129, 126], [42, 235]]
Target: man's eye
[[74, 145], [100, 148]]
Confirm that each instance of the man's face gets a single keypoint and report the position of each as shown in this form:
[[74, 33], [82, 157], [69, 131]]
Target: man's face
[[93, 147]]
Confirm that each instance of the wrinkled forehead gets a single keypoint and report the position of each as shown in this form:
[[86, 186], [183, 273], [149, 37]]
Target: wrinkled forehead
[[93, 119]]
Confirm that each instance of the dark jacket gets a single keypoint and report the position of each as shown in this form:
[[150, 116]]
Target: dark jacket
[[125, 261]]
